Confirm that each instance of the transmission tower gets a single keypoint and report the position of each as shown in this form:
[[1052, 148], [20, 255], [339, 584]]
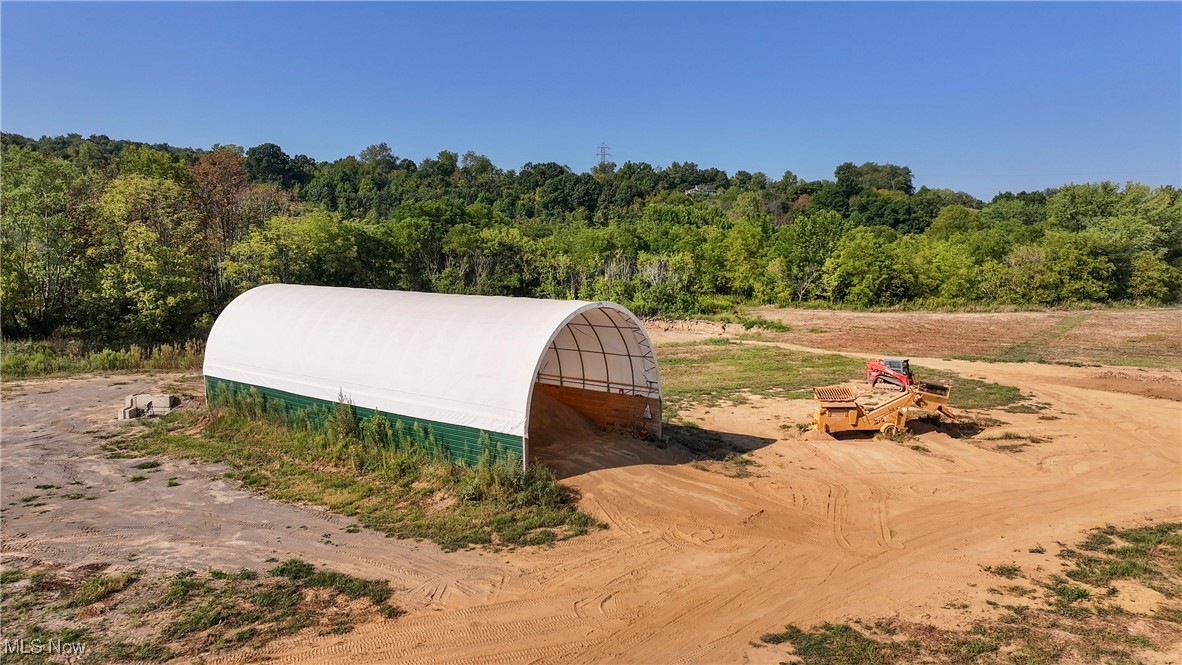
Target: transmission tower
[[603, 153]]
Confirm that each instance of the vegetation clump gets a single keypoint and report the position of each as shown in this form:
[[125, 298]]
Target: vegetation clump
[[187, 614], [841, 644], [1006, 570], [391, 478], [99, 588], [1152, 554], [25, 359]]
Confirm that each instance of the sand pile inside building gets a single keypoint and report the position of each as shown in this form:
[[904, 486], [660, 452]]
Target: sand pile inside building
[[552, 422]]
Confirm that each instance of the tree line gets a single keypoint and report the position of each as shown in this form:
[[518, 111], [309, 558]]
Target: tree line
[[125, 241]]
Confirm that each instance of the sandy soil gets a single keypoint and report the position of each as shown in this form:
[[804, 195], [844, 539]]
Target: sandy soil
[[695, 564], [1161, 385]]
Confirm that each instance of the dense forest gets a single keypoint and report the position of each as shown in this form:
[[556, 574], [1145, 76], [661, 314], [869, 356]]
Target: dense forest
[[124, 241]]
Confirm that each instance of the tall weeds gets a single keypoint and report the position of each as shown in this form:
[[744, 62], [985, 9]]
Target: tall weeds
[[524, 503], [26, 359]]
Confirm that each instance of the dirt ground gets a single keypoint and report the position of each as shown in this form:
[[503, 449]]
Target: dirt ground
[[696, 564], [1142, 337], [52, 432]]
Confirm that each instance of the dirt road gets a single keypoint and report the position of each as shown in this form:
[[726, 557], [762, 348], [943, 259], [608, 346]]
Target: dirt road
[[696, 564]]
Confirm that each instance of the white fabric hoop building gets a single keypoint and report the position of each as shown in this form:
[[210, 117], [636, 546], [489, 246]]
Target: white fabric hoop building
[[464, 360]]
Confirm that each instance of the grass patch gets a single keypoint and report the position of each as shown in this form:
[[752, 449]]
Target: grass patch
[[1073, 621], [376, 591], [841, 644], [242, 608], [1011, 447], [1152, 554], [25, 359], [1065, 592], [971, 393], [749, 322], [137, 479], [151, 464], [978, 646], [99, 588], [11, 575], [188, 614], [388, 480], [705, 373], [1036, 349], [709, 373], [1022, 441], [1007, 570]]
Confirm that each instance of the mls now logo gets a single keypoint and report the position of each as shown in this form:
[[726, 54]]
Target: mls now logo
[[48, 647]]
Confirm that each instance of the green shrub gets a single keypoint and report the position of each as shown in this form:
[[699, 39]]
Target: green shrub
[[95, 589], [294, 569], [1006, 570]]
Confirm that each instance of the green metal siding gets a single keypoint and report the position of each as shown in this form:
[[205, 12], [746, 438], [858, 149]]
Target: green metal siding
[[462, 443]]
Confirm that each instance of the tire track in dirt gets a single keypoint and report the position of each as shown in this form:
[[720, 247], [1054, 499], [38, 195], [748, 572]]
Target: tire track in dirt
[[835, 516], [477, 628], [882, 530]]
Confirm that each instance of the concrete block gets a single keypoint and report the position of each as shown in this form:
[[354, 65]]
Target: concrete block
[[145, 400], [148, 404]]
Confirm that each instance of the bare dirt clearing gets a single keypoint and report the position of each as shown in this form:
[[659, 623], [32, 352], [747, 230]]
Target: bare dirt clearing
[[53, 435], [1148, 338], [697, 564]]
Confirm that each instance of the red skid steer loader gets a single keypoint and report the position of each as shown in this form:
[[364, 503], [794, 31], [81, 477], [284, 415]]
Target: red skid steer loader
[[895, 371]]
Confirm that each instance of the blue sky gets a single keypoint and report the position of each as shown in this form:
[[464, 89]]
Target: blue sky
[[981, 97]]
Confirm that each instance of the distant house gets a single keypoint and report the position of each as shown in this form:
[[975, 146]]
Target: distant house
[[700, 190]]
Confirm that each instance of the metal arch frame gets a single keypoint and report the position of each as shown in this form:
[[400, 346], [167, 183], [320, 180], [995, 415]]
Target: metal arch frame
[[648, 358], [645, 361], [607, 367], [641, 339]]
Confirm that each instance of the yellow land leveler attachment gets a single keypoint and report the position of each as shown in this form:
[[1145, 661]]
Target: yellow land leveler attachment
[[838, 410]]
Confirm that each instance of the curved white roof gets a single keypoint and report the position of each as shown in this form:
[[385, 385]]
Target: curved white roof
[[466, 360]]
